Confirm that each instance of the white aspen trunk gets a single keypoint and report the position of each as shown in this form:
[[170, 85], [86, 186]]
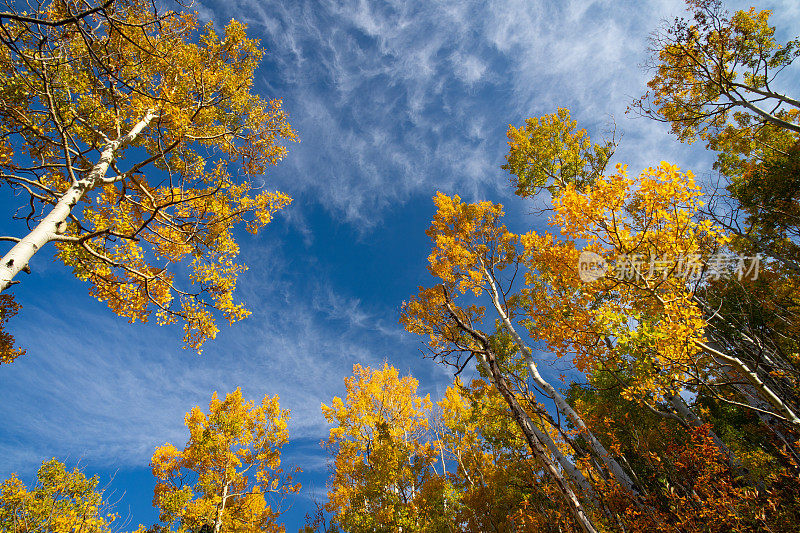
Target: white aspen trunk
[[568, 466], [537, 447], [614, 467], [220, 509], [54, 224], [762, 388], [762, 409], [441, 451], [562, 405], [769, 117]]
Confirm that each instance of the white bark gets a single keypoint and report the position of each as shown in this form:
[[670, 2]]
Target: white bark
[[566, 464], [221, 508], [769, 117], [763, 411], [538, 449], [54, 224], [762, 388], [561, 404], [488, 361]]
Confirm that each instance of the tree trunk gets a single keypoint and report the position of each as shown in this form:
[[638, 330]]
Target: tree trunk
[[614, 467], [536, 446], [566, 464], [54, 224], [756, 382], [220, 509]]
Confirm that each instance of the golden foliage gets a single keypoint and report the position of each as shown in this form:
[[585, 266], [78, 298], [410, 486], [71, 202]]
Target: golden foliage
[[649, 314], [61, 501], [382, 457], [714, 77], [228, 469], [9, 307], [549, 152], [165, 214]]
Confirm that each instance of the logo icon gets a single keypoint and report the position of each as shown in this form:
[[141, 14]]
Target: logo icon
[[591, 266]]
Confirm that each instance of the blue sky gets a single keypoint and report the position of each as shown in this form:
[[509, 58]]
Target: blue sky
[[393, 101]]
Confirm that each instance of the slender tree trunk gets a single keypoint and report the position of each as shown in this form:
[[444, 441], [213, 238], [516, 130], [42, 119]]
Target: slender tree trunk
[[536, 446], [761, 409], [220, 509], [566, 464], [756, 382], [614, 467], [55, 223], [769, 117]]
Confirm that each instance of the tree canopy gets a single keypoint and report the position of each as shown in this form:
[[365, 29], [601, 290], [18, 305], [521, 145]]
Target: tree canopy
[[229, 470], [137, 145], [61, 500]]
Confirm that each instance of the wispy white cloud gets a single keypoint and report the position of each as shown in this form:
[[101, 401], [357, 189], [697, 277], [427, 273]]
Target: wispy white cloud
[[389, 97], [468, 68], [111, 393]]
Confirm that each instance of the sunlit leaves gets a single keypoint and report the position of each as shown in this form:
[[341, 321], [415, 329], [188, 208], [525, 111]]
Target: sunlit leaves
[[642, 319], [230, 469], [157, 234], [9, 307], [717, 77], [61, 501], [647, 324], [714, 78], [467, 236], [383, 458], [550, 152]]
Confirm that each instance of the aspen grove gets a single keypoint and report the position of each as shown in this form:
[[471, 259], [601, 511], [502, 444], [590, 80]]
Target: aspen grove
[[137, 149]]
